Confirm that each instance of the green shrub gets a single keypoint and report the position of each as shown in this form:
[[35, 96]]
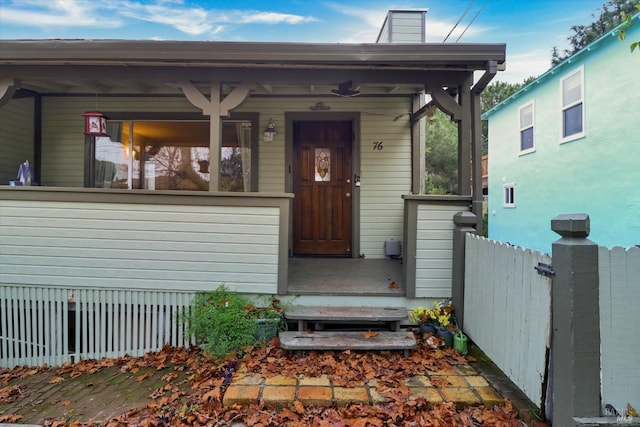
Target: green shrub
[[218, 320]]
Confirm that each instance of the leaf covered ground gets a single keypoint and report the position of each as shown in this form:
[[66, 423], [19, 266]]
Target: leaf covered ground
[[193, 387]]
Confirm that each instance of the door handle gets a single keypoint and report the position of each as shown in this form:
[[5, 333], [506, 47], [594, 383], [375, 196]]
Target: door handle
[[348, 194]]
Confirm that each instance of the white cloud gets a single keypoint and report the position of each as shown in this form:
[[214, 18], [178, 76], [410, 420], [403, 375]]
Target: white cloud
[[272, 18], [59, 13], [525, 65], [194, 21]]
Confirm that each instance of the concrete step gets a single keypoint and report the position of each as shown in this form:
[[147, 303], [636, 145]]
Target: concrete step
[[392, 316], [348, 340]]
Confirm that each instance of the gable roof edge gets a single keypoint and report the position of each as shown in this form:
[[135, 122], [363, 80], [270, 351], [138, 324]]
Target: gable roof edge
[[552, 71]]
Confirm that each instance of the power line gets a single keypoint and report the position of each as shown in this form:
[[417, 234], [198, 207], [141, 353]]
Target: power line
[[474, 18], [459, 19]]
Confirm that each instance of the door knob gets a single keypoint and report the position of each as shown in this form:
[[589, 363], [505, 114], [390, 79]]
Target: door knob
[[348, 194]]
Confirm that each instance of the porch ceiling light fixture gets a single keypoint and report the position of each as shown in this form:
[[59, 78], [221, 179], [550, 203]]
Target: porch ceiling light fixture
[[270, 131], [345, 90], [95, 123]]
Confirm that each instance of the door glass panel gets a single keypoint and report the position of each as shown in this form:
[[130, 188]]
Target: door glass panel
[[323, 164]]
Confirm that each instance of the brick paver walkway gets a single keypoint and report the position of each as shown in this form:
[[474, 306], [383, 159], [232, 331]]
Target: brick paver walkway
[[463, 385]]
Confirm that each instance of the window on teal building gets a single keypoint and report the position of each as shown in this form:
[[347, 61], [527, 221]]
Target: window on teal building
[[572, 106], [509, 196], [526, 128]]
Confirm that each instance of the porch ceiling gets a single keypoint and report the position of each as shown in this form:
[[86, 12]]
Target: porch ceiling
[[122, 67]]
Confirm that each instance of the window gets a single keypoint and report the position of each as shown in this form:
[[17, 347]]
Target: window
[[526, 128], [572, 106], [509, 196], [174, 155]]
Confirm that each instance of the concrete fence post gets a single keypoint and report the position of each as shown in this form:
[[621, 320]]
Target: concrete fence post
[[576, 321], [464, 222]]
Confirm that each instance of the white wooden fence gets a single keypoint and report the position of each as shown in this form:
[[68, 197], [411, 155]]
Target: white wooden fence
[[619, 272], [53, 325], [507, 310]]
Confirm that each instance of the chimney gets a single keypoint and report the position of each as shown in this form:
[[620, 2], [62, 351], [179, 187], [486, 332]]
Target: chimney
[[404, 26]]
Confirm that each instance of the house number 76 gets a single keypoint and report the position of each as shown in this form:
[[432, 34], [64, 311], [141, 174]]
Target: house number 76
[[377, 145]]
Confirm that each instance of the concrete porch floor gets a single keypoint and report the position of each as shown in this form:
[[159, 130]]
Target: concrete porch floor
[[345, 276]]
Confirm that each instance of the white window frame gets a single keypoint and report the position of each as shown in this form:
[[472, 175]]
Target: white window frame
[[525, 127], [564, 107], [509, 195]]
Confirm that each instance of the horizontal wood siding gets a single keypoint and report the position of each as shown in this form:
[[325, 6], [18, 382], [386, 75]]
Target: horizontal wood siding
[[619, 272], [16, 137], [407, 27], [63, 130], [385, 173], [434, 249], [121, 245], [507, 310]]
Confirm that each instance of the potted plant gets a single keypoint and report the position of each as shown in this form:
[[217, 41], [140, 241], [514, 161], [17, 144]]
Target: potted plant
[[422, 316], [269, 318], [436, 320]]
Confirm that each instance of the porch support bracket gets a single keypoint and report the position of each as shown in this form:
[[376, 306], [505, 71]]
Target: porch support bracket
[[445, 102], [8, 87], [489, 74], [236, 97], [215, 108]]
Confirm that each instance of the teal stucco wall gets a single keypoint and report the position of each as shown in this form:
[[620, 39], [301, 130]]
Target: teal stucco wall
[[597, 174]]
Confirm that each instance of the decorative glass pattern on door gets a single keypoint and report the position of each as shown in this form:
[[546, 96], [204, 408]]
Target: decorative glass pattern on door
[[323, 164]]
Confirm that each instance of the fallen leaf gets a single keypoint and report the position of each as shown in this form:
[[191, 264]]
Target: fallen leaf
[[212, 395], [9, 418], [56, 380], [393, 285], [298, 407], [66, 403], [370, 334], [144, 376]]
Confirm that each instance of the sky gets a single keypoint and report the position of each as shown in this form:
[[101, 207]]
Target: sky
[[530, 28]]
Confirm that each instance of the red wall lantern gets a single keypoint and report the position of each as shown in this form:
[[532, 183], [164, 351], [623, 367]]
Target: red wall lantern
[[95, 123]]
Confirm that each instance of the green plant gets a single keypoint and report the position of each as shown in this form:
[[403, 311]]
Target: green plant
[[224, 322], [440, 315], [219, 323]]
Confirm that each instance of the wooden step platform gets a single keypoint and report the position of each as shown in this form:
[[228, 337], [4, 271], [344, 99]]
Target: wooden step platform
[[359, 318], [348, 340], [389, 315]]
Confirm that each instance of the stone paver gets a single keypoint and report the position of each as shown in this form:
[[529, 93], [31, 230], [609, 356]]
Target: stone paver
[[241, 395], [316, 381], [280, 380], [346, 395], [489, 396], [317, 396], [455, 381], [430, 394], [275, 395], [461, 396], [476, 381]]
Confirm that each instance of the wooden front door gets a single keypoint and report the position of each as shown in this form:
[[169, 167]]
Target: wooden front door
[[322, 186]]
